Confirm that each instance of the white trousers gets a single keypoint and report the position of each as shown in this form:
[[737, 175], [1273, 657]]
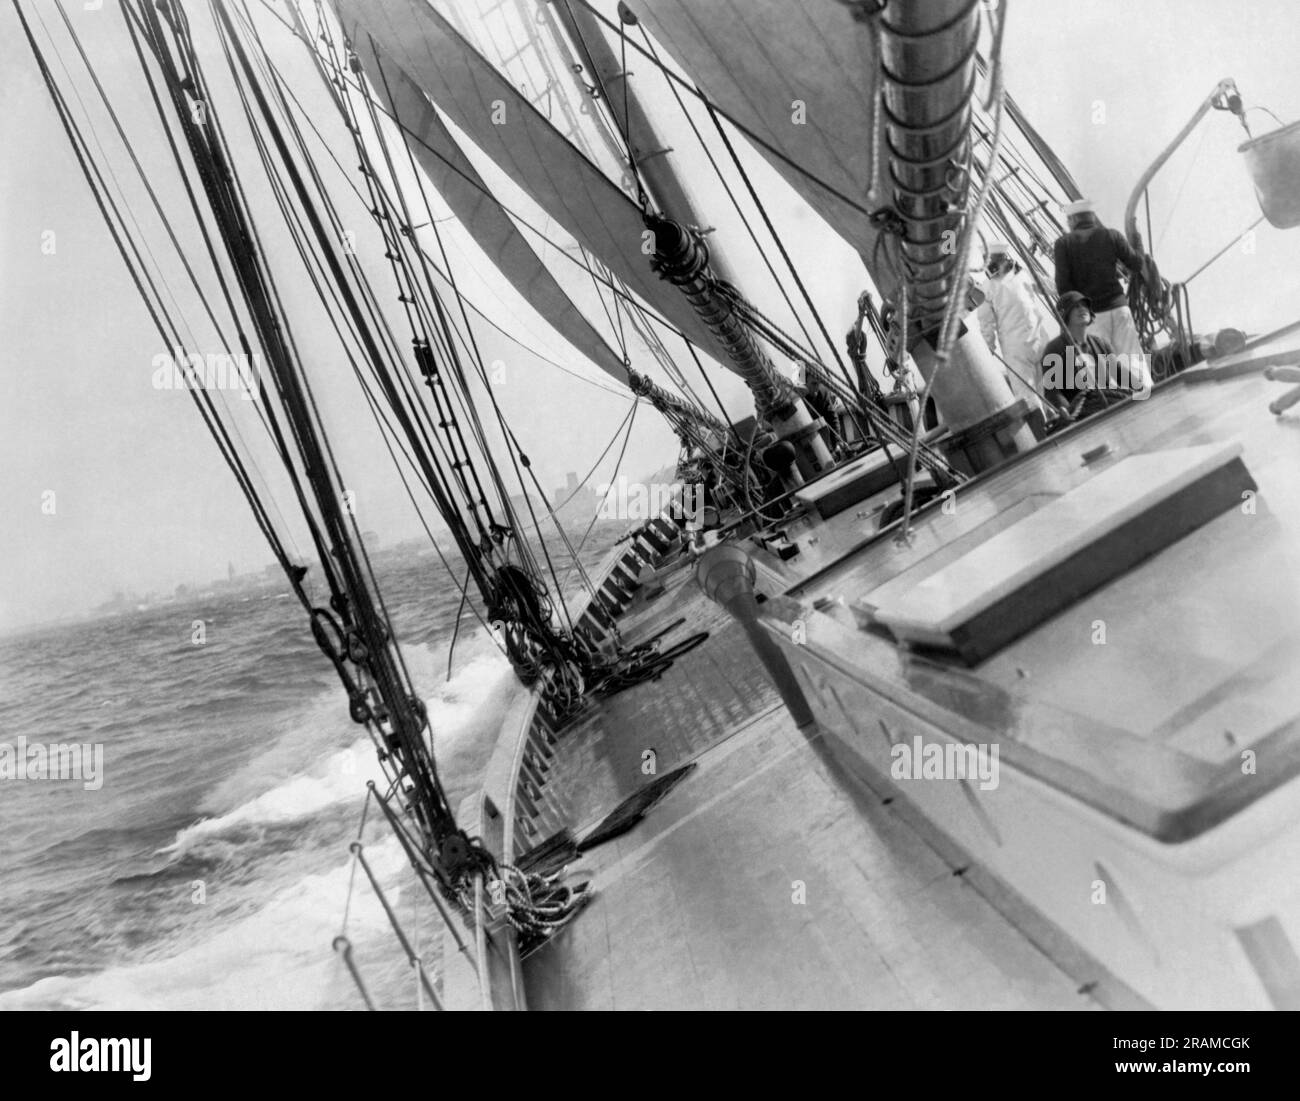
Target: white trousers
[[1116, 328]]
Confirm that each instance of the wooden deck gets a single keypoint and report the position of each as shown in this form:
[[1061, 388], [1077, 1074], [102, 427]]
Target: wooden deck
[[761, 882], [698, 907], [701, 700], [771, 878]]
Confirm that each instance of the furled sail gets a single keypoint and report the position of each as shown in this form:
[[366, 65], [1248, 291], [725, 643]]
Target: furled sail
[[523, 143], [458, 182], [800, 78]]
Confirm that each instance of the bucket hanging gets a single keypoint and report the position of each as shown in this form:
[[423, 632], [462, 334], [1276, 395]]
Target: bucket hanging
[[1273, 161]]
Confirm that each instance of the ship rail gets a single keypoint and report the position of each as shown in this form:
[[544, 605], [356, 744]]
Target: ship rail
[[488, 812], [517, 772], [504, 809]]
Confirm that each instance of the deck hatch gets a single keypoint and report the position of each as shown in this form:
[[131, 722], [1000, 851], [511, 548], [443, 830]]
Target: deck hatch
[[1043, 563], [856, 481]]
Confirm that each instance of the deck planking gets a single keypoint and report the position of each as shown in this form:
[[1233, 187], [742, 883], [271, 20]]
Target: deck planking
[[696, 908]]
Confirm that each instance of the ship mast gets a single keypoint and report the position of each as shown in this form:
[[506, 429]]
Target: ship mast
[[928, 71], [681, 254]]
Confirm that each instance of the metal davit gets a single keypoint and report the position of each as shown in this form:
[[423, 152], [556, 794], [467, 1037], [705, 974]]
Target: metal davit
[[1223, 97]]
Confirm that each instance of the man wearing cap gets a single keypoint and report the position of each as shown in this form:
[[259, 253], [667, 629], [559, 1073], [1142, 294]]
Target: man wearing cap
[[1013, 321], [1086, 259], [1072, 362], [822, 401]]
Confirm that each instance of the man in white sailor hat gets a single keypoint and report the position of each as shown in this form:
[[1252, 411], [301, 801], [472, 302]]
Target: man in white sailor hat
[[1015, 323], [1086, 259]]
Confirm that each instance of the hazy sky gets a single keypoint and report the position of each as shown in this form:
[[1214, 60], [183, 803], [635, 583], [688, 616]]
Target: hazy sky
[[142, 501]]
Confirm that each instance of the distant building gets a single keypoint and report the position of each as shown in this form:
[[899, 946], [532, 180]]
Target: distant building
[[567, 490]]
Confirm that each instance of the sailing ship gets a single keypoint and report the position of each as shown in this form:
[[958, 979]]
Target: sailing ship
[[918, 706]]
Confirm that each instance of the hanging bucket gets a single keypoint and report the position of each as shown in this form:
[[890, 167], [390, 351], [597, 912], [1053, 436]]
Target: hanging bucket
[[1273, 161]]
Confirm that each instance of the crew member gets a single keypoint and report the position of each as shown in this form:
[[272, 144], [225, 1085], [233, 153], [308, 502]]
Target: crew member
[[825, 404], [1072, 363], [1013, 320], [1086, 259], [778, 458]]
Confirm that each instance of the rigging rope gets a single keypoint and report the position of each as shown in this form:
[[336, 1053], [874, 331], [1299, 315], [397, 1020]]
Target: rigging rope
[[780, 245], [557, 656], [355, 632], [158, 313], [478, 310], [365, 631], [1235, 241], [478, 360]]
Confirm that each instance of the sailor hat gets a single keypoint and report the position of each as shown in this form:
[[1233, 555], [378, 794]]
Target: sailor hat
[[1082, 206], [999, 248]]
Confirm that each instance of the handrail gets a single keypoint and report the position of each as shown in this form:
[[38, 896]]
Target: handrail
[[492, 807], [480, 945], [356, 849], [413, 856], [522, 731], [343, 946]]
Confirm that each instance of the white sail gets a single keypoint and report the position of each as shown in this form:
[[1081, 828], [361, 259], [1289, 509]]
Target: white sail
[[800, 77], [524, 144], [522, 39], [465, 192]]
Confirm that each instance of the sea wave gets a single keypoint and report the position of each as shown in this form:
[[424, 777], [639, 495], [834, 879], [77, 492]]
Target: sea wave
[[259, 803], [275, 958], [463, 713]]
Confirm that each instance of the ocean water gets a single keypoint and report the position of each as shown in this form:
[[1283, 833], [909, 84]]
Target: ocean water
[[211, 869]]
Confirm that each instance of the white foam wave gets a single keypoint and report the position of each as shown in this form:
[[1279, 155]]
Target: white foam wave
[[274, 788], [344, 777], [276, 958], [279, 957]]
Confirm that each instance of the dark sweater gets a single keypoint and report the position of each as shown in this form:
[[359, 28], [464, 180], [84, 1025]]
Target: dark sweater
[[1060, 371], [1085, 262]]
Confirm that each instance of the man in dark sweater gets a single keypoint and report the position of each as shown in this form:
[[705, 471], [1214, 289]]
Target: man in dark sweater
[[1086, 259]]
